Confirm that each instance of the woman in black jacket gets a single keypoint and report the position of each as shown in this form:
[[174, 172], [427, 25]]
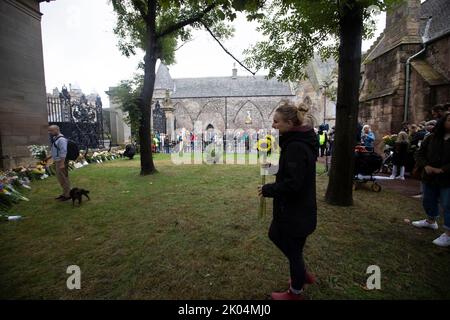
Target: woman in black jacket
[[293, 193], [433, 158]]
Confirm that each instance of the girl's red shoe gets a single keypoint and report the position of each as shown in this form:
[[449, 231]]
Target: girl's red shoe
[[309, 278], [287, 295]]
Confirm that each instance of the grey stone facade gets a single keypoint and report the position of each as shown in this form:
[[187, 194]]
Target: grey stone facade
[[237, 102]]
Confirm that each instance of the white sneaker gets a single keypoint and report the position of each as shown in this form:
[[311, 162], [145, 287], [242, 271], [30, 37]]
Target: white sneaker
[[392, 177], [442, 241], [425, 224], [400, 178]]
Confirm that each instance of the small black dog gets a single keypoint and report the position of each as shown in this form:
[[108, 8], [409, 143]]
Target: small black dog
[[77, 193]]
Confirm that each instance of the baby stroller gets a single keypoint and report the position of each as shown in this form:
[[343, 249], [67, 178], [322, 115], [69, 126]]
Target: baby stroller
[[386, 166], [366, 164]]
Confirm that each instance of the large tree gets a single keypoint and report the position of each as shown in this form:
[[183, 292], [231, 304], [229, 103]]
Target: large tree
[[157, 27], [295, 30]]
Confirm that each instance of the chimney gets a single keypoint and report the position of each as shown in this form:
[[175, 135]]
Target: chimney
[[234, 76], [403, 23]]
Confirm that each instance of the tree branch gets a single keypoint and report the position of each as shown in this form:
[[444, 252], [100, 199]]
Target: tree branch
[[186, 22], [224, 49], [185, 42], [138, 4]]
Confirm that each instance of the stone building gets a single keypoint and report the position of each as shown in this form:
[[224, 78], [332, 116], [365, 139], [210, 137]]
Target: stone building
[[318, 90], [407, 70], [119, 130], [236, 102], [23, 108]]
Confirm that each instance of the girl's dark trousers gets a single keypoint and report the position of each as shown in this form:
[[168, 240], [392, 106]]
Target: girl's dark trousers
[[292, 248]]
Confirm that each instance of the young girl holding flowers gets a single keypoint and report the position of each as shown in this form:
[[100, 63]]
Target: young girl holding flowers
[[293, 193]]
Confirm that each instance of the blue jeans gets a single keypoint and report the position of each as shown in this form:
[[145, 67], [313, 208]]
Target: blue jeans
[[432, 197]]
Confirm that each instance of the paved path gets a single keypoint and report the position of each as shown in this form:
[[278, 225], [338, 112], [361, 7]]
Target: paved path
[[408, 187]]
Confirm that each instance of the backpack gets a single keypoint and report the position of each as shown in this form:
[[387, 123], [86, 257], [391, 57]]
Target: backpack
[[73, 151]]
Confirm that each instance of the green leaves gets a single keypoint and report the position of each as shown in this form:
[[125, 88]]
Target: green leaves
[[221, 15], [295, 29], [174, 21]]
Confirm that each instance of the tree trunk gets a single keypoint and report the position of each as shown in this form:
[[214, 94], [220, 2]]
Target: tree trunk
[[147, 165], [339, 191]]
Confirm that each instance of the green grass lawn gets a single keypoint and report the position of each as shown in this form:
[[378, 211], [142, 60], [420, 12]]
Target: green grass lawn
[[193, 232]]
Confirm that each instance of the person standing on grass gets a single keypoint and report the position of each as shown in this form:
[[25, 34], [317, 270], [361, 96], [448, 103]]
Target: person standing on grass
[[293, 193], [400, 155], [323, 140], [434, 158], [58, 153]]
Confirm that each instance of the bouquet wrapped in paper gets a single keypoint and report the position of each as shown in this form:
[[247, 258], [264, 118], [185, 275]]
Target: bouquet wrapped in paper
[[38, 152]]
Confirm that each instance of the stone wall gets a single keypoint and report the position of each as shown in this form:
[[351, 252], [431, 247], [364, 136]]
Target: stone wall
[[119, 129], [315, 100], [212, 111], [23, 109], [438, 55], [420, 102], [382, 95]]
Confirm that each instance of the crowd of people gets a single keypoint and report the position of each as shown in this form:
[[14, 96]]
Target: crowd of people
[[421, 149]]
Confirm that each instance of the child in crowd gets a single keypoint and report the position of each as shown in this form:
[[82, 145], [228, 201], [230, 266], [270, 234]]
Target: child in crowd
[[400, 156]]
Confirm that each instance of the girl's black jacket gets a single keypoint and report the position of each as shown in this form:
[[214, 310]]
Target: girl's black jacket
[[294, 190]]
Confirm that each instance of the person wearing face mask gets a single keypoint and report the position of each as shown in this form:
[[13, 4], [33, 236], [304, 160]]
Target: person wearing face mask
[[293, 193]]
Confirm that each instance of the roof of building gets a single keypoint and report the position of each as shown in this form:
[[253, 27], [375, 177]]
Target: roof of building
[[230, 87], [320, 72], [427, 72], [239, 86], [439, 10], [163, 79]]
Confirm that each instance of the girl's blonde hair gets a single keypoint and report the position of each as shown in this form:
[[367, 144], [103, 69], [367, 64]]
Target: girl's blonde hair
[[402, 136], [298, 114]]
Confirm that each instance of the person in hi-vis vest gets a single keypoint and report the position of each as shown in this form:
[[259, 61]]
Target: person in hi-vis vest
[[322, 142]]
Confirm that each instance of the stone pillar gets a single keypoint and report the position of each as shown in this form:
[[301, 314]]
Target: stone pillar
[[403, 22], [168, 109], [23, 103], [170, 124], [120, 131]]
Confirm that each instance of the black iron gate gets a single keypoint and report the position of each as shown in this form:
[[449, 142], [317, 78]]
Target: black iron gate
[[159, 119], [78, 119]]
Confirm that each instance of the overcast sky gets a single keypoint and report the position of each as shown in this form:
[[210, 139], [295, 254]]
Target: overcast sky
[[80, 48]]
